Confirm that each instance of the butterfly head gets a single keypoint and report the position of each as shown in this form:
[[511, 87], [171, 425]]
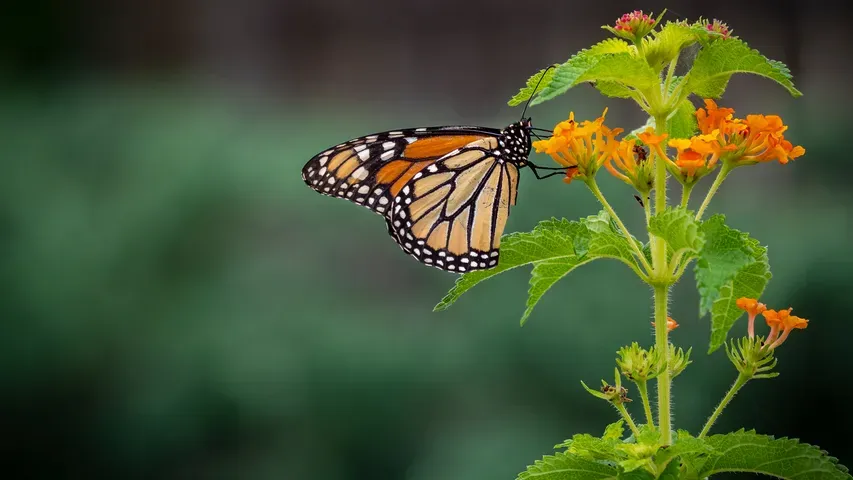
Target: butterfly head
[[514, 142]]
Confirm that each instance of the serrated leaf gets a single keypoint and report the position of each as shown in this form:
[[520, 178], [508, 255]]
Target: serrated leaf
[[679, 230], [614, 431], [665, 44], [623, 68], [592, 448], [551, 249], [564, 466], [719, 60], [749, 282], [611, 45], [682, 123], [725, 252], [614, 89], [686, 447], [565, 77], [730, 265], [747, 451], [525, 93]]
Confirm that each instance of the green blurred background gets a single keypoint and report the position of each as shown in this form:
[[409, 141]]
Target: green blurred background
[[176, 303]]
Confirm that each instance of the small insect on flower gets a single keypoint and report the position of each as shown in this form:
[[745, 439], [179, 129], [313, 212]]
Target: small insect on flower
[[671, 324]]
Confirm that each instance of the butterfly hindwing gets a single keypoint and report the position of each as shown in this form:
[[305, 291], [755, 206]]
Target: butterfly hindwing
[[452, 214]]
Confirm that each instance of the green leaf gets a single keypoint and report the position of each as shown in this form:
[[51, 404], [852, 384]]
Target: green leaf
[[747, 451], [682, 123], [614, 431], [665, 44], [679, 230], [686, 447], [719, 60], [623, 68], [586, 446], [554, 248], [730, 265], [611, 45], [725, 253], [564, 466], [525, 93], [614, 89]]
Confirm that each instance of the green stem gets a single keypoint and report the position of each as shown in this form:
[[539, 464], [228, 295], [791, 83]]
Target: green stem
[[685, 194], [662, 346], [647, 206], [657, 244], [724, 172], [739, 383], [593, 187], [627, 416], [642, 387], [670, 73]]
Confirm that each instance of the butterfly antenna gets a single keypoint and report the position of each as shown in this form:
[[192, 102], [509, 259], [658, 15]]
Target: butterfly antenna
[[533, 93]]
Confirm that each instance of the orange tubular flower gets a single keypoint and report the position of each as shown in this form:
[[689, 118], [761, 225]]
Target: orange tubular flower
[[582, 147], [632, 164], [752, 308], [759, 138], [782, 320]]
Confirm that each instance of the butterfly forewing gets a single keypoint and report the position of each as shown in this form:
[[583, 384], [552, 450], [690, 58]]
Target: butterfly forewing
[[371, 170]]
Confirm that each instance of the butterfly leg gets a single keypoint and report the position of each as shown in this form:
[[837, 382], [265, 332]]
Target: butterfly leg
[[535, 169]]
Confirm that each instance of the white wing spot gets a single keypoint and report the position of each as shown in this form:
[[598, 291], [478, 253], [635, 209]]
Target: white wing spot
[[432, 168], [360, 173], [364, 155], [495, 254], [364, 189], [389, 145], [408, 245], [493, 263], [359, 148], [387, 155], [418, 175], [441, 254], [370, 200], [406, 190], [323, 161], [417, 252], [474, 264], [383, 200], [461, 268], [360, 200], [322, 171], [420, 129], [411, 139]]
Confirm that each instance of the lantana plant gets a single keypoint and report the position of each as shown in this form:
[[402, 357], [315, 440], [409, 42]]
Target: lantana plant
[[643, 62]]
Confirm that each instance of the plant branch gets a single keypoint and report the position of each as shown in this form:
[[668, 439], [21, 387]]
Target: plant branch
[[627, 416], [739, 383], [593, 187], [662, 346], [686, 190], [724, 172], [642, 387]]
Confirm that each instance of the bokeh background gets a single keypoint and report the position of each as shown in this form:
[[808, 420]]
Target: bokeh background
[[175, 303]]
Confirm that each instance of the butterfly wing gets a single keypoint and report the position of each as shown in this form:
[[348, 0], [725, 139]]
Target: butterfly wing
[[451, 215], [372, 170]]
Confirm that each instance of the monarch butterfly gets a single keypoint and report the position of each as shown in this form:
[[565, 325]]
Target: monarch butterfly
[[445, 192]]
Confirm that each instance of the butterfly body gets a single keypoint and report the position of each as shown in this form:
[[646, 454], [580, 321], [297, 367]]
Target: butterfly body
[[445, 192]]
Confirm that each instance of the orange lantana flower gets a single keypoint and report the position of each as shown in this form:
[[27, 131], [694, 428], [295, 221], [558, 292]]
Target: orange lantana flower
[[582, 147], [752, 308], [758, 138], [696, 157], [783, 321]]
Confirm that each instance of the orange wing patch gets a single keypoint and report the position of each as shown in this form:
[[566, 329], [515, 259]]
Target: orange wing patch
[[438, 146], [399, 172]]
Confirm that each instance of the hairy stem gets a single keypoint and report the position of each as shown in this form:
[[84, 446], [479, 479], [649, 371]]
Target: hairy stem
[[593, 187], [685, 194], [664, 379], [647, 206], [724, 172], [739, 383], [670, 73], [642, 387], [657, 244], [627, 417]]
